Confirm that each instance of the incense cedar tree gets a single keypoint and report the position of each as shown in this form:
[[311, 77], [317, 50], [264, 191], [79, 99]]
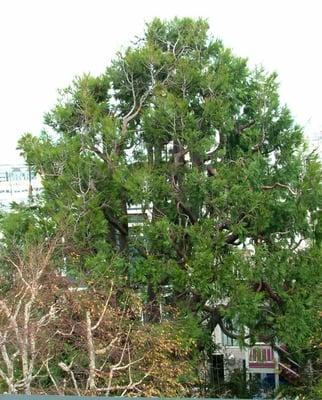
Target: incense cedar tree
[[229, 223]]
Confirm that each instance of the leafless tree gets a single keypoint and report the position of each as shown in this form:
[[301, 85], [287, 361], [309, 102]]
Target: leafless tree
[[26, 314], [41, 311]]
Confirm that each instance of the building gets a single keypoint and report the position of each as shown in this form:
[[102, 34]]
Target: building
[[269, 366], [316, 143], [17, 184]]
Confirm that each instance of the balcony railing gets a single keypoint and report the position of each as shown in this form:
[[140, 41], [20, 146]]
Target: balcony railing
[[261, 356]]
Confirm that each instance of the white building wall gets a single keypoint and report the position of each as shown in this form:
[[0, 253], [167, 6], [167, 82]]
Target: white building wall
[[16, 184], [316, 142], [234, 357]]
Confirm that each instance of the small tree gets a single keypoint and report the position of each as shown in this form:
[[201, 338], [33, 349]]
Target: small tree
[[27, 315]]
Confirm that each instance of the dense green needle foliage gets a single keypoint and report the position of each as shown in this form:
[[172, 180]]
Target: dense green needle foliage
[[229, 228]]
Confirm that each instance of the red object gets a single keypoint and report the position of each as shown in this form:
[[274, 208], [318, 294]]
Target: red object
[[261, 357]]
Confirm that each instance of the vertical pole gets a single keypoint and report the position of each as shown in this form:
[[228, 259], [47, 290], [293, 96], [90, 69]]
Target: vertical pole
[[277, 380], [277, 376], [30, 186], [10, 181], [248, 349]]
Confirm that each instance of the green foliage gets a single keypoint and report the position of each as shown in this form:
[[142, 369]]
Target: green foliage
[[184, 130]]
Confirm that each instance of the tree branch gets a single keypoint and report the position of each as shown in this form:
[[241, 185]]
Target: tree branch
[[113, 221], [274, 296], [281, 185]]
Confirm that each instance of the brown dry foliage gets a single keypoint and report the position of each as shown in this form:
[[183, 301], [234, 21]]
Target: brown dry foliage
[[121, 356]]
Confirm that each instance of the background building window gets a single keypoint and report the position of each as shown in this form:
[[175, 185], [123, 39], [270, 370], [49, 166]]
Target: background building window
[[228, 341]]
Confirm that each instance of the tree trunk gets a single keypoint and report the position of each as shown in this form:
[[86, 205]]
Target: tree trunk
[[152, 310]]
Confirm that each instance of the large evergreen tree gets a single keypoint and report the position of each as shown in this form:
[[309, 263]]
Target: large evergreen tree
[[230, 228]]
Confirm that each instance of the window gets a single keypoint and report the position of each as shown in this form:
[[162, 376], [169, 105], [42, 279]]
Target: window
[[228, 341], [217, 370]]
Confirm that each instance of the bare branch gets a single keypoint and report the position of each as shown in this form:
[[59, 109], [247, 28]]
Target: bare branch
[[67, 368], [60, 392], [104, 350], [91, 353], [104, 310]]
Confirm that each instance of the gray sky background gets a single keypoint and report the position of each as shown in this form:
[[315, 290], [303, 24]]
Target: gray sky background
[[45, 43]]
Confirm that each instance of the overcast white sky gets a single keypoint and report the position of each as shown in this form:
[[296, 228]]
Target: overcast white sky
[[45, 43]]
